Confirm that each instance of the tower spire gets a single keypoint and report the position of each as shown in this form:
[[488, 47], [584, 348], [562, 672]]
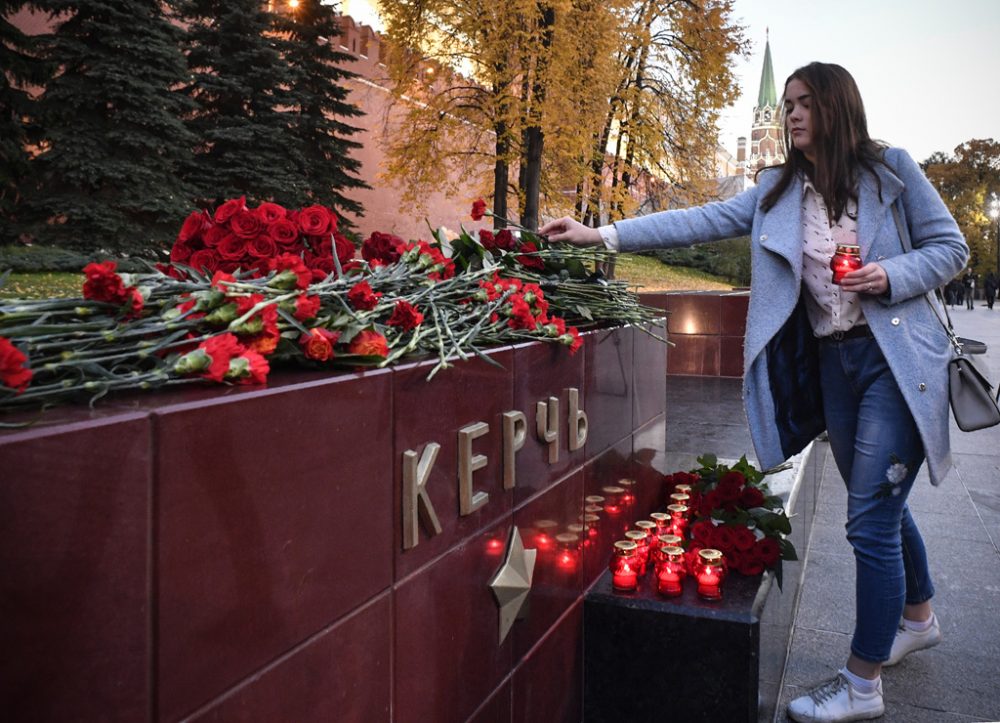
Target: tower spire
[[767, 96]]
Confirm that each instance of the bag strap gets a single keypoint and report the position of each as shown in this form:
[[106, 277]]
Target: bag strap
[[904, 239]]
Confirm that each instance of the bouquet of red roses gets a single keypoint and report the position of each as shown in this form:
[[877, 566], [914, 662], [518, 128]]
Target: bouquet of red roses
[[734, 511]]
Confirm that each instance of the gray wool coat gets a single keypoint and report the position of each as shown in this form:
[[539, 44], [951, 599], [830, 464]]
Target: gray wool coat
[[782, 401]]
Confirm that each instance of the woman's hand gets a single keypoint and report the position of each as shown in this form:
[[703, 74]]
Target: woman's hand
[[571, 230], [870, 279]]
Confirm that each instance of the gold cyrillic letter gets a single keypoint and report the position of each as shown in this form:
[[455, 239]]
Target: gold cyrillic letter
[[577, 421], [415, 499], [469, 501], [547, 426], [515, 431]]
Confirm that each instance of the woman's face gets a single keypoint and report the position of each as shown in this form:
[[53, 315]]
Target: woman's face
[[798, 119]]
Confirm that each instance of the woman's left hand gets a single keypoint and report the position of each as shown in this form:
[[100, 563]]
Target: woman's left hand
[[869, 279]]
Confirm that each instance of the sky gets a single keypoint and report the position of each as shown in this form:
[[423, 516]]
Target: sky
[[928, 70]]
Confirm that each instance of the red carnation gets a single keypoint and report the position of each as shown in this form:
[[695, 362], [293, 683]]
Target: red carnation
[[306, 307], [221, 349], [531, 262], [291, 262], [314, 220], [382, 248], [405, 316], [228, 209], [103, 284], [13, 374], [572, 339], [478, 209], [520, 315], [246, 224], [318, 343], [254, 371], [369, 343], [362, 297]]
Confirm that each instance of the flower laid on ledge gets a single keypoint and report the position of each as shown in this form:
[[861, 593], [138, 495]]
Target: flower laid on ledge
[[734, 512], [250, 288]]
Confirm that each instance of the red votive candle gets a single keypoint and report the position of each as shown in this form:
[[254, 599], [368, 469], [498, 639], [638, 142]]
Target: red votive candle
[[664, 541], [846, 259], [641, 540], [683, 489], [662, 520], [680, 498], [568, 554], [628, 497], [649, 527], [710, 571], [624, 566], [613, 499], [678, 520], [670, 572]]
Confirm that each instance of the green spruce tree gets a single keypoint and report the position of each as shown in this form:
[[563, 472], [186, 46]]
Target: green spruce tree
[[106, 179], [241, 84], [321, 109], [18, 57]]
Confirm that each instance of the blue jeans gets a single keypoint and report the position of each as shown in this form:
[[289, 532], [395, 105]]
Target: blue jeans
[[878, 451]]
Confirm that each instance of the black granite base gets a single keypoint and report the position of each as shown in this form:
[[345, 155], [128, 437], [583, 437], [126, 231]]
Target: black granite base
[[651, 658]]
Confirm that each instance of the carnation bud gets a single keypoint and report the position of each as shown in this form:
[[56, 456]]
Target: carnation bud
[[223, 315], [239, 367], [207, 300], [83, 310], [287, 279], [481, 296], [194, 361], [253, 325]]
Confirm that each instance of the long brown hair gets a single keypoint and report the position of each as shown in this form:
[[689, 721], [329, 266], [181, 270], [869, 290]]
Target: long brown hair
[[840, 137]]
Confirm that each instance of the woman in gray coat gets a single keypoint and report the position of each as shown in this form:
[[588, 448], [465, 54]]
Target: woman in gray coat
[[865, 358]]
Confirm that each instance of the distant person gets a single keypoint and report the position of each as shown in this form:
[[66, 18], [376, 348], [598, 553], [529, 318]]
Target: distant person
[[951, 292], [959, 293], [820, 355], [990, 289], [969, 285]]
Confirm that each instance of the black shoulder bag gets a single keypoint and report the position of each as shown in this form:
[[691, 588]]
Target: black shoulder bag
[[970, 392]]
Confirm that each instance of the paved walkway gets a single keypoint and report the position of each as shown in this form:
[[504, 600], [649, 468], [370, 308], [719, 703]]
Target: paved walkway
[[960, 679]]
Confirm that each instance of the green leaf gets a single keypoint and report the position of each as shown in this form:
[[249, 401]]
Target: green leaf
[[584, 312], [787, 550]]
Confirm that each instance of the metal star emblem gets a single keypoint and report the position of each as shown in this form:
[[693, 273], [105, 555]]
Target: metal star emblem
[[512, 583]]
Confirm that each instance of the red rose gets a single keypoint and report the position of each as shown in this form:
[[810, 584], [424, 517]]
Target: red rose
[[382, 248], [228, 209], [487, 239], [306, 307], [322, 267], [505, 240], [362, 297], [751, 497], [214, 235], [478, 209], [103, 284], [344, 249], [767, 550], [283, 231], [204, 260], [180, 253], [405, 316], [232, 248], [12, 371], [733, 479], [270, 212], [702, 531], [725, 538], [708, 503], [194, 225], [318, 343], [314, 220], [262, 247], [246, 224], [369, 343], [743, 538]]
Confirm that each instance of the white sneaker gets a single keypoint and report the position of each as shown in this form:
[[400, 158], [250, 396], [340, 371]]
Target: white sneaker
[[836, 701], [907, 641]]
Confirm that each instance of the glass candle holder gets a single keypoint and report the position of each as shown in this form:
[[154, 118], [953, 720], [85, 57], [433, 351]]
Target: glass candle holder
[[662, 520], [594, 500], [710, 571], [624, 566], [671, 571], [641, 540], [683, 489], [680, 498], [649, 527], [661, 541], [627, 484], [568, 551], [846, 259], [678, 520], [613, 499]]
